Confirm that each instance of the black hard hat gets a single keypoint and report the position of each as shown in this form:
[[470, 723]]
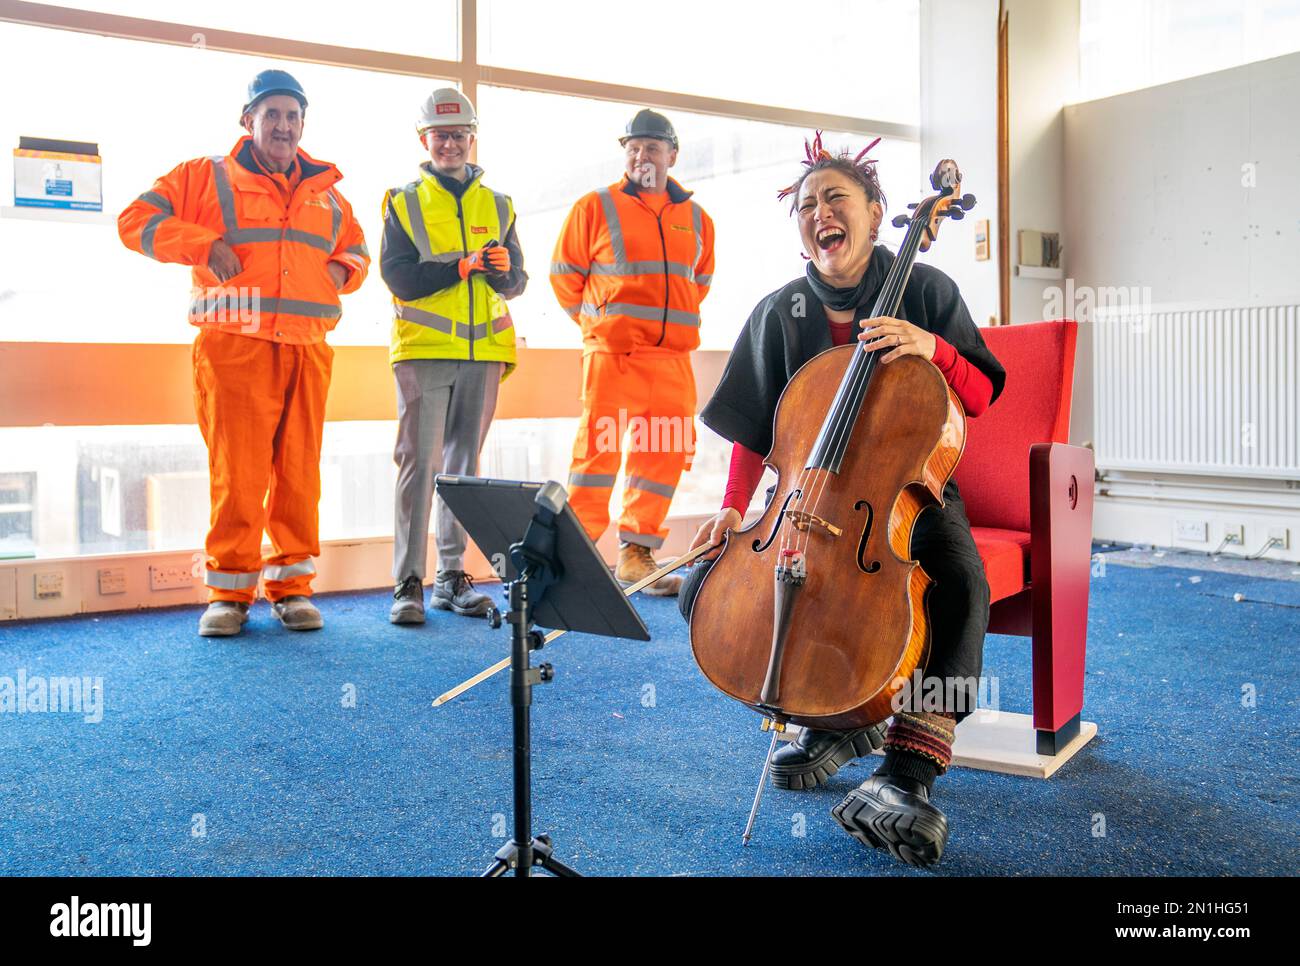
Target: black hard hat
[[649, 124], [270, 82]]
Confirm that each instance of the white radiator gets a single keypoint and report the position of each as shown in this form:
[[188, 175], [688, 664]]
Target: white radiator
[[1199, 391]]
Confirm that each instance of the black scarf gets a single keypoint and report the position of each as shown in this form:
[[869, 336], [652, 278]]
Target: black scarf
[[844, 299]]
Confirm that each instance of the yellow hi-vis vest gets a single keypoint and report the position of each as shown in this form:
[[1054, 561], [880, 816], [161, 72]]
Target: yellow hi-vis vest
[[469, 320]]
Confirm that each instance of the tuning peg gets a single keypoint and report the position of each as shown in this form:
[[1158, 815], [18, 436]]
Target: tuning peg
[[901, 221], [967, 202], [911, 204], [956, 214]]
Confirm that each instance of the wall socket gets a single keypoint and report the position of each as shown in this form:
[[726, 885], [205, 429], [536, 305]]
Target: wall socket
[[172, 577], [1192, 531], [1235, 533], [1283, 537], [49, 585], [112, 580]]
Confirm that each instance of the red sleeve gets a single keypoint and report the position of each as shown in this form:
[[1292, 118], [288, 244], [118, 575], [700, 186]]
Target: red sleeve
[[742, 479], [971, 386]]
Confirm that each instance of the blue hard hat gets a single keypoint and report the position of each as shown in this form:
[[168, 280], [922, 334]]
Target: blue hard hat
[[270, 82]]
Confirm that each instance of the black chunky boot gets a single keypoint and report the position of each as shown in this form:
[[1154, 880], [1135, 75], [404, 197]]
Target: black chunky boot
[[815, 756], [894, 812]]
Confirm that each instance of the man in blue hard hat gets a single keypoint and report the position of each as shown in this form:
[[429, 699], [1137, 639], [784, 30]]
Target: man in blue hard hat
[[272, 244]]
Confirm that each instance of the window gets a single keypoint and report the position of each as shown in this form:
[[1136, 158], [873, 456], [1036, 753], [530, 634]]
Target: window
[[430, 28], [853, 57], [547, 150], [77, 282], [17, 511], [1125, 45]]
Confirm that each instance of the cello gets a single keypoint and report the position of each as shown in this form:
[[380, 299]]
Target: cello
[[824, 578]]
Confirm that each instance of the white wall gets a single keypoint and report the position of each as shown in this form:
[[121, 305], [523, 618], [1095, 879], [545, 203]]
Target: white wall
[[1043, 56], [959, 78], [1185, 190]]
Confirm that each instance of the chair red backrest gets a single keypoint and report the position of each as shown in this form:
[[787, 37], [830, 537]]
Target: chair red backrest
[[1034, 407]]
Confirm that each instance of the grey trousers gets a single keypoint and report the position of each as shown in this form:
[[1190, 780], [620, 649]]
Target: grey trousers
[[444, 408]]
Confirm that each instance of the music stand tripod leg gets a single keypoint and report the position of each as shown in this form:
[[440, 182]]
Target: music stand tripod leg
[[524, 850]]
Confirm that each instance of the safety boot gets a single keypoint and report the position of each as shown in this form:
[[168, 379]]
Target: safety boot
[[408, 602], [635, 563], [223, 618], [454, 590], [298, 613]]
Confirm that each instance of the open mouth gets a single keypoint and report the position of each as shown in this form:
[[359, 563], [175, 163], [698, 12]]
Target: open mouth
[[830, 239]]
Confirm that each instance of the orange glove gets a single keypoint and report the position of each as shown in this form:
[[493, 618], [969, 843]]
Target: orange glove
[[472, 263], [498, 256]]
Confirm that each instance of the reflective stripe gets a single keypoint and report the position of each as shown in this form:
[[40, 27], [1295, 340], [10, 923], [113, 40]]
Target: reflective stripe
[[336, 218], [641, 268], [225, 196], [592, 479], [239, 304], [615, 226], [697, 220], [445, 258], [648, 313], [503, 215], [650, 486], [250, 236], [151, 226], [572, 309], [223, 581], [430, 319], [705, 280], [285, 571], [158, 201], [641, 539], [419, 233], [564, 268], [361, 250]]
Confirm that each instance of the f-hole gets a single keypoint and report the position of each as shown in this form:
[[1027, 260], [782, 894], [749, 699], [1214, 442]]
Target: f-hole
[[866, 568], [776, 524]]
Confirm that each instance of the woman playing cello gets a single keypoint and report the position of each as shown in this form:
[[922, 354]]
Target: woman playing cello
[[839, 206]]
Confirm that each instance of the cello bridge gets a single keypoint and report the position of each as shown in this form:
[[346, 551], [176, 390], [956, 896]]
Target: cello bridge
[[803, 520]]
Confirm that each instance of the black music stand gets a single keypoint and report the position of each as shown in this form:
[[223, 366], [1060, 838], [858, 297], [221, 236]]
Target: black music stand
[[555, 576]]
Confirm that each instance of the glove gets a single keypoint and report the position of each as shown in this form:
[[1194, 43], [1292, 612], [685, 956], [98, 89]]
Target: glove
[[498, 256], [472, 263]]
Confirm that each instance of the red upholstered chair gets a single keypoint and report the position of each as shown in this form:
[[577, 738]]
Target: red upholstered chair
[[1029, 498]]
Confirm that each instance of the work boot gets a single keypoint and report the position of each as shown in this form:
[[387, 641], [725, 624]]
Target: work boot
[[408, 602], [223, 618], [454, 590], [894, 813], [636, 563], [814, 756], [298, 613]]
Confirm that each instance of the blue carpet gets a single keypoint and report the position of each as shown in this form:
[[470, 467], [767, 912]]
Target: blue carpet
[[640, 766]]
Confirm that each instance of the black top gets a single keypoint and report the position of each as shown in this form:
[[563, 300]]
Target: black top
[[789, 327], [409, 278]]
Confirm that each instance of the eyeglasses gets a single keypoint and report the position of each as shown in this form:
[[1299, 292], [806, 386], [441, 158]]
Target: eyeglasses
[[439, 135]]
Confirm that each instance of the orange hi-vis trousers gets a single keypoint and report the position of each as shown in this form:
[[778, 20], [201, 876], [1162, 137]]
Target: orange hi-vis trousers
[[647, 395], [261, 408]]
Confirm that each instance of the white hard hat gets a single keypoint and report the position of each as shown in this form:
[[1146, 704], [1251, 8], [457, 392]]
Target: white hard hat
[[445, 107]]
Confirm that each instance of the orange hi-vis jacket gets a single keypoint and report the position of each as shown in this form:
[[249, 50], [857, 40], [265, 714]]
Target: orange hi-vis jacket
[[631, 278], [285, 292]]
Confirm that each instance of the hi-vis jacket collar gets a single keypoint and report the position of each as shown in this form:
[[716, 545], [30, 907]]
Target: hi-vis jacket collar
[[242, 152], [473, 170], [676, 193]]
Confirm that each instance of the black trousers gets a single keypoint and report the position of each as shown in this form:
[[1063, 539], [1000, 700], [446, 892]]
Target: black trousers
[[958, 606]]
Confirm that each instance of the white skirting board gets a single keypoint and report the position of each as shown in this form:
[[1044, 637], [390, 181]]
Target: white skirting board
[[1002, 741]]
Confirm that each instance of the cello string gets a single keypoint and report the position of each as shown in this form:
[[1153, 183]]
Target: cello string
[[844, 418]]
